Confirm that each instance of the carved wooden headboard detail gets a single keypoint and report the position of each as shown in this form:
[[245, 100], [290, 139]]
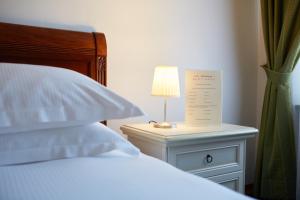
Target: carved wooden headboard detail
[[79, 51]]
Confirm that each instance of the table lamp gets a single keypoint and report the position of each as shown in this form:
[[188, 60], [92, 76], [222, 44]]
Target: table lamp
[[165, 84]]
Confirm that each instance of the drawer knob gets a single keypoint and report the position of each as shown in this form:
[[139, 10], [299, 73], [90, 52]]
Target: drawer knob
[[209, 158]]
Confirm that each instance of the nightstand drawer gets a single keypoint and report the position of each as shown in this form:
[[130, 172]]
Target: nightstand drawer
[[234, 181], [208, 159]]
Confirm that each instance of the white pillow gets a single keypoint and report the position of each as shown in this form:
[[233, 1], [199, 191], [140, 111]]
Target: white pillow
[[50, 144], [37, 97]]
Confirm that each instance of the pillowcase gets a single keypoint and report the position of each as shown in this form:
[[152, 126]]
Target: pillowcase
[[38, 97], [50, 144]]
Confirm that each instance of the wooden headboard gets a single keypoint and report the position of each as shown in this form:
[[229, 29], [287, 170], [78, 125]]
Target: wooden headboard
[[79, 51]]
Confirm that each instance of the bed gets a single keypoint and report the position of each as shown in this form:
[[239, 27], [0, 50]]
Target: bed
[[112, 175]]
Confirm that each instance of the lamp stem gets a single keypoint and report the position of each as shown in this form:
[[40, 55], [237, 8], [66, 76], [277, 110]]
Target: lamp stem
[[165, 110], [164, 124]]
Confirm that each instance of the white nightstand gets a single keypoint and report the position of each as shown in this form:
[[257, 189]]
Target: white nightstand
[[218, 156]]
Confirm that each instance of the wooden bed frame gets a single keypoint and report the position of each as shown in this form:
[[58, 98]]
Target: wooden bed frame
[[79, 51]]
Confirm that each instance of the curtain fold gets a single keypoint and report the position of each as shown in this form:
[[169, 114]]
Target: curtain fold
[[276, 156]]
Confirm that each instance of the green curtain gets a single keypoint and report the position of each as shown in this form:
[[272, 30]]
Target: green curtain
[[276, 157]]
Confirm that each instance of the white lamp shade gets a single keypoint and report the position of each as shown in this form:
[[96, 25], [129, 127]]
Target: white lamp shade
[[166, 82]]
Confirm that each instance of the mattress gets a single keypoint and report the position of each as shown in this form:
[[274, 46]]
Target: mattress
[[111, 176]]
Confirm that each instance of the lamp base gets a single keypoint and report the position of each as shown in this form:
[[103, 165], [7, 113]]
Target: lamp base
[[163, 125]]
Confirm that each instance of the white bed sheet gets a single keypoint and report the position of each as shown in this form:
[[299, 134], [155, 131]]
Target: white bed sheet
[[109, 177]]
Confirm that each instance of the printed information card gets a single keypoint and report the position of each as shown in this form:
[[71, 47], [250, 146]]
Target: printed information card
[[203, 98]]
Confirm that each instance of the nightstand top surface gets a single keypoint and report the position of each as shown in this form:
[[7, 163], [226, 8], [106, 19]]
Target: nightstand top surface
[[182, 131]]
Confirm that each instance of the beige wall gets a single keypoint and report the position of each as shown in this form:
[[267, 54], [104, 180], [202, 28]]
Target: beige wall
[[198, 34]]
